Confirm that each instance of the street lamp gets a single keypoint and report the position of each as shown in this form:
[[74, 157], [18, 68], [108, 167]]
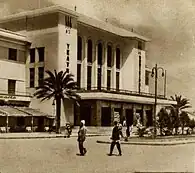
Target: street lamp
[[155, 72]]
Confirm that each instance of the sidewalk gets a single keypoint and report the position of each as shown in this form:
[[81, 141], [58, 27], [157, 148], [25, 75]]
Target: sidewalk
[[36, 135], [160, 141]]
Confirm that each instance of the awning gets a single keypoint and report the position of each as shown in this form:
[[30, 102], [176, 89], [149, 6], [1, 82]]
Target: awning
[[22, 112], [13, 112], [34, 112]]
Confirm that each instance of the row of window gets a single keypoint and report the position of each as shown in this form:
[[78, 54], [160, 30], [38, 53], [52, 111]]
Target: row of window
[[110, 60], [40, 76], [99, 78], [41, 53]]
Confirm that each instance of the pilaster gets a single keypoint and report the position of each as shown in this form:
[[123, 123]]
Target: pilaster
[[84, 64], [94, 65]]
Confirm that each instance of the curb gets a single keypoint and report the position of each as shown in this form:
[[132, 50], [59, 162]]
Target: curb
[[150, 143], [45, 137]]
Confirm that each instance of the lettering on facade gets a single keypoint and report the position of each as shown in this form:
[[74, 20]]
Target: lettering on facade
[[7, 97]]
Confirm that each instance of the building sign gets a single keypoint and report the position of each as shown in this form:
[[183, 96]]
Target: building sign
[[116, 116], [7, 97]]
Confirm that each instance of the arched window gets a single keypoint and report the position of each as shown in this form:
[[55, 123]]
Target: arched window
[[79, 48], [89, 51], [100, 54], [109, 56], [117, 58]]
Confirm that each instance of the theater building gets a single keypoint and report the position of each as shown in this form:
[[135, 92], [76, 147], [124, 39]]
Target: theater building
[[108, 63]]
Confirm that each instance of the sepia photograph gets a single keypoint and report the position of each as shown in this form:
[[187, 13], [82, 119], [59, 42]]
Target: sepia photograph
[[97, 86]]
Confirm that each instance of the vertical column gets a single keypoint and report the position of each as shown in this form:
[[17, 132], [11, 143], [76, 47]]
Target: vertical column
[[134, 114], [36, 67], [32, 122], [94, 65], [84, 64], [144, 116], [112, 113], [113, 82], [98, 113], [104, 66], [27, 75], [123, 112], [7, 123]]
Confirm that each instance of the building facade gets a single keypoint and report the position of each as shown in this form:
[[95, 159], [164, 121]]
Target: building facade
[[108, 63]]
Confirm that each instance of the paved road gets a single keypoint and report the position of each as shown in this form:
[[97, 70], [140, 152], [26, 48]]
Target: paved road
[[59, 156]]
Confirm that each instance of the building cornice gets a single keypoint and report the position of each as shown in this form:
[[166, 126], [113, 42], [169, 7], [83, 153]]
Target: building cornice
[[82, 19], [6, 34]]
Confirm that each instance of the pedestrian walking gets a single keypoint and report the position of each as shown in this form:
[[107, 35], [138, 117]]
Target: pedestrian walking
[[115, 139], [81, 137]]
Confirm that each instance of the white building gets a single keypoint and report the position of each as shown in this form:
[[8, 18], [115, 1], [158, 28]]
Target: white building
[[108, 63]]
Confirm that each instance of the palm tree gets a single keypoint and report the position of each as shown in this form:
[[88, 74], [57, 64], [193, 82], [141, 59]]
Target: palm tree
[[58, 86], [182, 103]]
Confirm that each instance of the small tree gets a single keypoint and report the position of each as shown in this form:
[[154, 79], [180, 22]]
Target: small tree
[[165, 122], [192, 124], [182, 103], [184, 119]]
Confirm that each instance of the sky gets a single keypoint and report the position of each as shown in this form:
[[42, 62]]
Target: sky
[[170, 24]]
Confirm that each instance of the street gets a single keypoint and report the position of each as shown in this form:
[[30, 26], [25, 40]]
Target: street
[[59, 156]]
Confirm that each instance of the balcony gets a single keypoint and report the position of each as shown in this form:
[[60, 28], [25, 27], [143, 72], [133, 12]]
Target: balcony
[[119, 91], [121, 96]]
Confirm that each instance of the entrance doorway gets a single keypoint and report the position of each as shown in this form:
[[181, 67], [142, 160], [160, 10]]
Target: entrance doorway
[[140, 112], [40, 124], [129, 116], [120, 113], [85, 114], [149, 121], [106, 116]]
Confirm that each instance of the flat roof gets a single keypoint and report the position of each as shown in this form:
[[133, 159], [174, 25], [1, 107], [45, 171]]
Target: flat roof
[[12, 35], [83, 19]]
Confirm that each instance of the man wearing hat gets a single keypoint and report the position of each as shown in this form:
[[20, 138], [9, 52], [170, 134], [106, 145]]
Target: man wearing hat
[[81, 137], [116, 133]]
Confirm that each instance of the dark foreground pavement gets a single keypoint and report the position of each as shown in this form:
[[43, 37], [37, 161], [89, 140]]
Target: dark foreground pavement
[[58, 155]]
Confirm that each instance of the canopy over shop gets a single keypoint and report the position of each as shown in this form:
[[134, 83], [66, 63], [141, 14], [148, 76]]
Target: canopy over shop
[[21, 119]]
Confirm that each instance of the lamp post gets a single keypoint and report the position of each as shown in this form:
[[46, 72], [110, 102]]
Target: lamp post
[[155, 72]]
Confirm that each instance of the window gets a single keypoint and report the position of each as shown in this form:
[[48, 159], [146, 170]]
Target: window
[[109, 56], [68, 46], [68, 21], [32, 55], [79, 75], [108, 79], [99, 78], [67, 70], [117, 58], [68, 52], [79, 49], [67, 58], [12, 54], [89, 51], [11, 86], [41, 52], [117, 80], [147, 73], [32, 77], [140, 61], [41, 75], [89, 69], [99, 54], [140, 45]]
